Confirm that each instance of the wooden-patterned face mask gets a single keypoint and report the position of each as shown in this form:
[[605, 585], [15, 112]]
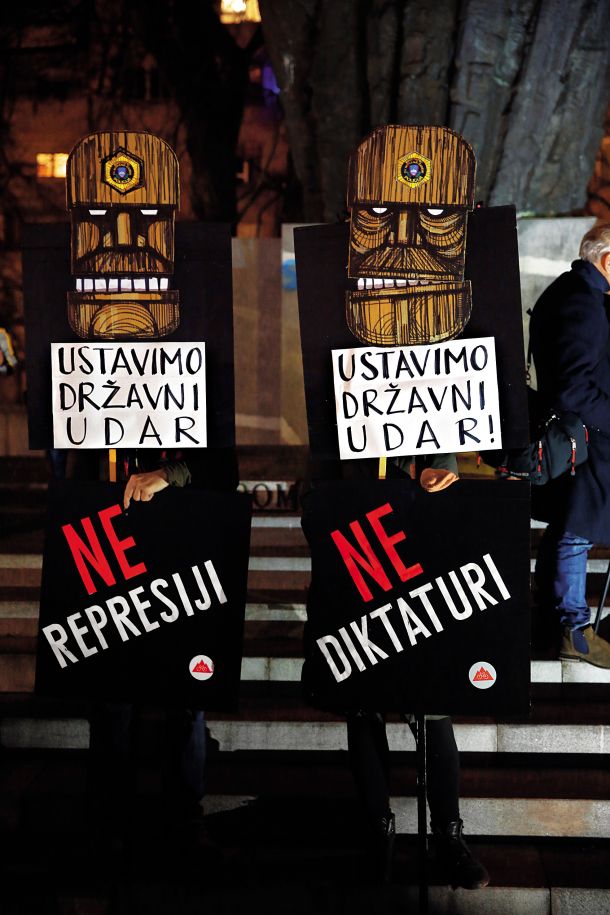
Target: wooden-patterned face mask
[[123, 192], [410, 189]]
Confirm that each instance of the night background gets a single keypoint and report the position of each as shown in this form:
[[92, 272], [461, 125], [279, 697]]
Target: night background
[[263, 102]]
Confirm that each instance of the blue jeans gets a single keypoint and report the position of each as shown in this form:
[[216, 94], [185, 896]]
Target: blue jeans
[[561, 576]]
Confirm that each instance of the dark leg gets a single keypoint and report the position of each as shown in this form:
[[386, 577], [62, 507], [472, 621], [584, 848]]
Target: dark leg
[[422, 828], [443, 769], [111, 766], [369, 756], [184, 761]]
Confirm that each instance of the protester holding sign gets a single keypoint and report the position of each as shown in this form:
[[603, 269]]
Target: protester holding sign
[[139, 605], [366, 644], [183, 738], [412, 597]]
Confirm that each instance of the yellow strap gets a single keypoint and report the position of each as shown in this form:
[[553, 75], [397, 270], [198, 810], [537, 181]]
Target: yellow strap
[[382, 468], [112, 465]]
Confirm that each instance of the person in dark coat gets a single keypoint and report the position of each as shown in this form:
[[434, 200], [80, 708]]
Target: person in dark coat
[[570, 341]]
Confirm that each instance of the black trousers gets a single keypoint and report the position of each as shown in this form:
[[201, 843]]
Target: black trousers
[[369, 757]]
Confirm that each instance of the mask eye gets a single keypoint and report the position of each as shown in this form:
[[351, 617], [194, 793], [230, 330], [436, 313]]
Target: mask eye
[[149, 212], [97, 212], [435, 212], [379, 210]]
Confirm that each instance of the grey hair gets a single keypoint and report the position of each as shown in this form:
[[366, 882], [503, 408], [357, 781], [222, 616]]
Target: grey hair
[[596, 243]]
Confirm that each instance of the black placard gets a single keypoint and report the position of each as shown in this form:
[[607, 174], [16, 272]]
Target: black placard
[[143, 652], [492, 266], [203, 277], [463, 552]]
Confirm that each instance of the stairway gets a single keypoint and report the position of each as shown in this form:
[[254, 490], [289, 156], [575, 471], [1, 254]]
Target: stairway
[[535, 793]]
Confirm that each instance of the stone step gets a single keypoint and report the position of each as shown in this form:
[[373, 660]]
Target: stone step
[[35, 792], [321, 865], [43, 724], [536, 817], [580, 817], [37, 773]]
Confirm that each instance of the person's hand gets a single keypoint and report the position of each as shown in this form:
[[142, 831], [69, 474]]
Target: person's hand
[[435, 479], [141, 487]]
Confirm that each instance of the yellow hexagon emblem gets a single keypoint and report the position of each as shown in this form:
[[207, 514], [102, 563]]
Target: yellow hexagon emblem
[[414, 169], [123, 171]]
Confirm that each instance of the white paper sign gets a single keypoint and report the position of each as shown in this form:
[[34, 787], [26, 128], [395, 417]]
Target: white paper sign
[[128, 395], [409, 400]]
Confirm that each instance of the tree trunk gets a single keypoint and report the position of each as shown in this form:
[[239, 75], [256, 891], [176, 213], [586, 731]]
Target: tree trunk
[[208, 72], [524, 81], [491, 42], [290, 35], [555, 122], [339, 90], [428, 44]]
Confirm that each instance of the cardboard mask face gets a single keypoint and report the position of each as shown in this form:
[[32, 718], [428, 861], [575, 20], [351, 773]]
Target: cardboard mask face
[[123, 191], [409, 191]]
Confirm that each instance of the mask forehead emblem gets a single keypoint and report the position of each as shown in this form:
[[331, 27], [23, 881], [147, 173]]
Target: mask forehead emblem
[[123, 192], [409, 193], [123, 172], [413, 169]]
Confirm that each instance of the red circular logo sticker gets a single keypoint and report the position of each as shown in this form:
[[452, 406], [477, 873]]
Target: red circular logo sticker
[[482, 675], [201, 667]]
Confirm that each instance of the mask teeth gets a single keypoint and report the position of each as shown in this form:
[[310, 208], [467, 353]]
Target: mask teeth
[[122, 284], [372, 282]]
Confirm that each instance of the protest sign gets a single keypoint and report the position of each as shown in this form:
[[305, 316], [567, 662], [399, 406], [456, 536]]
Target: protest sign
[[416, 400], [418, 600], [149, 603], [132, 395], [320, 253], [202, 275]]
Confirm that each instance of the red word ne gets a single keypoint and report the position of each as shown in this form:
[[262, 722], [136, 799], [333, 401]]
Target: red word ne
[[370, 561], [92, 552]]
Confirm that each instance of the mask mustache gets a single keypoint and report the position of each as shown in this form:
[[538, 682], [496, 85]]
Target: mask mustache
[[111, 260], [410, 260]]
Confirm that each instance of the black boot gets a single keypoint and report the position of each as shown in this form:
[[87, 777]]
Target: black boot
[[459, 863], [384, 834]]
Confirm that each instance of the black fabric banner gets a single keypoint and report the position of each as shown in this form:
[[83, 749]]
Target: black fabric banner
[[146, 604], [492, 266], [202, 276], [418, 601]]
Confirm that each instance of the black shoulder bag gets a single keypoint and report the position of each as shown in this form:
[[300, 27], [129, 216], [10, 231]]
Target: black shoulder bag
[[558, 445]]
